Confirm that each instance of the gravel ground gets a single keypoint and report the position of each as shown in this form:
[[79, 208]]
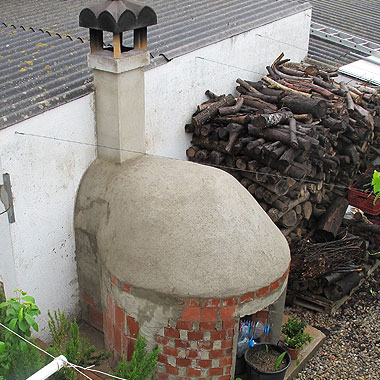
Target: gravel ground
[[352, 348]]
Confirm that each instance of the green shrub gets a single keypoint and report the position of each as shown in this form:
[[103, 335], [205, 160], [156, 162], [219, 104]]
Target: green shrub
[[66, 341], [293, 330], [18, 359], [142, 364]]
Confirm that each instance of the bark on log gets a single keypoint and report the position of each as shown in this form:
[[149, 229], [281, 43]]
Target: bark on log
[[272, 119], [205, 115], [329, 224], [279, 86], [233, 109], [300, 105]]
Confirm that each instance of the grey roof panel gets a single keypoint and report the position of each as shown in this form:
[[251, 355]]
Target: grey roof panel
[[43, 69], [330, 54], [357, 17]]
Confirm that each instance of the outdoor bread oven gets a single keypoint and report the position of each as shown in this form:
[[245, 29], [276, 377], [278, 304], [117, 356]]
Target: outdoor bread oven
[[174, 250]]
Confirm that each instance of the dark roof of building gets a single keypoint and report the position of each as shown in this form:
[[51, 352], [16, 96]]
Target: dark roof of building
[[43, 49], [356, 17]]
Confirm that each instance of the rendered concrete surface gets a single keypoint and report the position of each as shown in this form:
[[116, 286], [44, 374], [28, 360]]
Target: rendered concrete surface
[[176, 228]]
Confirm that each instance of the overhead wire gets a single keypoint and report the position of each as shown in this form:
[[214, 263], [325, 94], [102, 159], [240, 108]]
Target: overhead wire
[[75, 367], [227, 168]]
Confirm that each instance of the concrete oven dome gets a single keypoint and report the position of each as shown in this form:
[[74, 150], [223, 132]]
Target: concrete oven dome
[[179, 229]]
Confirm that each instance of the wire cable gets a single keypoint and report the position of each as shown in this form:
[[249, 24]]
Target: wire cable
[[227, 168], [27, 341], [71, 365]]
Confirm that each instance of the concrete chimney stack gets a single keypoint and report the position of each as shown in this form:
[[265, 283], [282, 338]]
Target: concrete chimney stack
[[119, 75]]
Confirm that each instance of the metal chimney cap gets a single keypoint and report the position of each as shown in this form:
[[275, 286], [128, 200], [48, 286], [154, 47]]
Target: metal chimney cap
[[117, 16]]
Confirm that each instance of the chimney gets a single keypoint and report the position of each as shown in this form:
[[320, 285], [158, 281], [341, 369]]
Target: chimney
[[119, 75]]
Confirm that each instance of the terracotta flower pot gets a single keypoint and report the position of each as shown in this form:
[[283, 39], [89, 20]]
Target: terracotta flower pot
[[293, 352]]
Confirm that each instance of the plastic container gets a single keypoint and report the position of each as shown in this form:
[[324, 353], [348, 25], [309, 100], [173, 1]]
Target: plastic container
[[363, 201], [255, 374]]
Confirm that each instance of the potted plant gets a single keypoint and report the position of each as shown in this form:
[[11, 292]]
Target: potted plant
[[294, 336], [266, 361]]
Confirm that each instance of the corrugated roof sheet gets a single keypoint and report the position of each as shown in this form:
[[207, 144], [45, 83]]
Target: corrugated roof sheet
[[183, 26], [360, 18]]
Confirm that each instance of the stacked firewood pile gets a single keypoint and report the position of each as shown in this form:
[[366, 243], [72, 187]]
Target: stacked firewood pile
[[295, 140], [328, 269]]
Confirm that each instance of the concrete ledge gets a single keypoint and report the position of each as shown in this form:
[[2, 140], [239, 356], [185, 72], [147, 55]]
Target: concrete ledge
[[130, 60]]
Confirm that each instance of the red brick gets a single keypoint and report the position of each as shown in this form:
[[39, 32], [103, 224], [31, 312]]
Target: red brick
[[162, 376], [227, 370], [204, 345], [171, 333], [191, 313], [274, 285], [171, 370], [227, 343], [162, 358], [209, 326], [95, 317], [227, 312], [193, 372], [230, 301], [216, 354], [183, 362], [225, 361], [114, 280], [215, 371], [119, 317], [108, 327], [218, 335], [131, 348], [191, 354], [262, 292], [284, 276], [170, 351], [262, 315], [229, 324], [247, 297], [204, 363], [230, 333], [162, 340], [184, 325], [86, 298], [193, 303], [181, 344], [110, 305], [126, 288], [133, 327], [195, 335], [212, 302], [117, 339], [224, 377], [209, 314]]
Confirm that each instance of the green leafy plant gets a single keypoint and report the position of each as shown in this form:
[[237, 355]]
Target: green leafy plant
[[293, 330], [376, 185], [66, 341], [279, 360], [142, 364], [18, 359]]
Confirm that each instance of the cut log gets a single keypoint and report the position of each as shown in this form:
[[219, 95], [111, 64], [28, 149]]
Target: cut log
[[329, 224], [292, 133], [300, 105], [232, 109], [205, 115], [272, 119], [279, 86]]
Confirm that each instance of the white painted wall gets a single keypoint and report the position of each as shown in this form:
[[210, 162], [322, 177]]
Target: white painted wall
[[175, 89], [37, 252], [45, 176]]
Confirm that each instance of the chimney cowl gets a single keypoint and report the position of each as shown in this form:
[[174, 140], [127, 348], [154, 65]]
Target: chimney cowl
[[117, 16]]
